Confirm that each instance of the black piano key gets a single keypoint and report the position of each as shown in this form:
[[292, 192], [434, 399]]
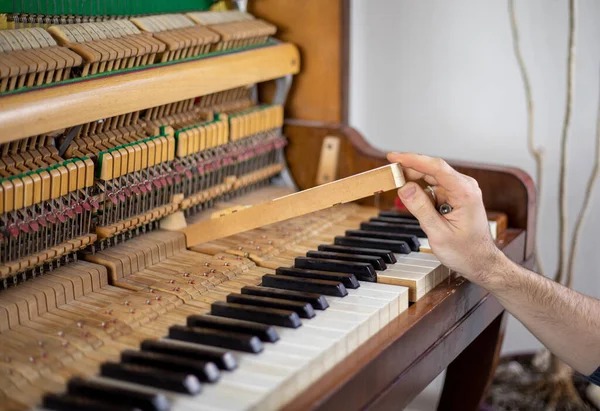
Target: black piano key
[[203, 370], [399, 247], [397, 214], [375, 261], [387, 255], [318, 301], [118, 394], [263, 331], [220, 357], [154, 377], [304, 310], [403, 228], [387, 233], [216, 338], [362, 271], [272, 316], [67, 402], [349, 280], [325, 287]]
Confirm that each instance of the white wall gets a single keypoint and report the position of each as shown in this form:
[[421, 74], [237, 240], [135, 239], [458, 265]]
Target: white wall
[[440, 77]]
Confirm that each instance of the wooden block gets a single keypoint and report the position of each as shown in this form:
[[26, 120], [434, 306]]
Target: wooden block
[[498, 223], [348, 189]]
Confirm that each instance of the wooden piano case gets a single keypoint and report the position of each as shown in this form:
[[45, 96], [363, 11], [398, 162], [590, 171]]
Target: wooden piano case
[[457, 326]]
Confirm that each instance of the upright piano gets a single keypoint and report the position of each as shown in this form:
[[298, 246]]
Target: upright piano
[[126, 126]]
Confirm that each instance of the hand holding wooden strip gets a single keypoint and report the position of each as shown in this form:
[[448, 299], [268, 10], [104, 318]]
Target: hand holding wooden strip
[[348, 189]]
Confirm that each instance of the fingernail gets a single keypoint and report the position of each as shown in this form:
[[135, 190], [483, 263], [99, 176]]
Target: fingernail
[[407, 191]]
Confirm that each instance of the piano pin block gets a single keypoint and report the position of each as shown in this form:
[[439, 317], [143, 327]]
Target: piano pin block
[[108, 46], [183, 38]]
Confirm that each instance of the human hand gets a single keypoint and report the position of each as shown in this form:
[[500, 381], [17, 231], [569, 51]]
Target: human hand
[[461, 239]]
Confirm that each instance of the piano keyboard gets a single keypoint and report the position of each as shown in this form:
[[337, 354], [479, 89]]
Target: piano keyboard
[[152, 325]]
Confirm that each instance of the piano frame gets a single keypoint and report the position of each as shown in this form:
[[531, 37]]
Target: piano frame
[[457, 325]]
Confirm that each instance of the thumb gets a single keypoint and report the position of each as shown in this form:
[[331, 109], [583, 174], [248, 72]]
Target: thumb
[[420, 205]]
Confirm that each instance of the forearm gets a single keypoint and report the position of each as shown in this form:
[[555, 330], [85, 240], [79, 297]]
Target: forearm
[[566, 322]]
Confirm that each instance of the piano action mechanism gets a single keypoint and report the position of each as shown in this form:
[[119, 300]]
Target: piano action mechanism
[[187, 222]]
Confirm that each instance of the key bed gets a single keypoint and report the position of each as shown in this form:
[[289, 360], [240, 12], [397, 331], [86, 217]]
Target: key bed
[[139, 303]]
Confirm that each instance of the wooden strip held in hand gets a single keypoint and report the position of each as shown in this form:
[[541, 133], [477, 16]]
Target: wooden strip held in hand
[[348, 189]]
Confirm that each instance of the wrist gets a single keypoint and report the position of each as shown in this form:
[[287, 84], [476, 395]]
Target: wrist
[[495, 272]]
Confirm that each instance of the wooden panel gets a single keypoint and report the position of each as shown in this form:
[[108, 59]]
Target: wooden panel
[[320, 30], [53, 108], [478, 360], [346, 190], [506, 189]]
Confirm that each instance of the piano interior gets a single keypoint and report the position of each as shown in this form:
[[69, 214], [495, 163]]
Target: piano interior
[[125, 126]]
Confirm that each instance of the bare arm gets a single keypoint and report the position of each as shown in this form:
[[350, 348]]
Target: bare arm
[[566, 322]]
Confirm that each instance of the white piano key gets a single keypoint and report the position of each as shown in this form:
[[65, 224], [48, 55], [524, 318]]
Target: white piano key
[[418, 262], [398, 294], [419, 255], [403, 267], [384, 305], [424, 245]]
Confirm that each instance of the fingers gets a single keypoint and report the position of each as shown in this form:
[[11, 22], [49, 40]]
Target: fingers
[[437, 168], [441, 196], [419, 204], [414, 175]]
